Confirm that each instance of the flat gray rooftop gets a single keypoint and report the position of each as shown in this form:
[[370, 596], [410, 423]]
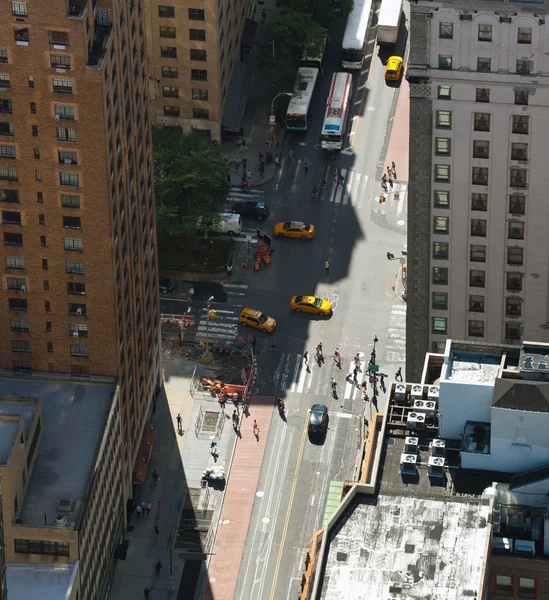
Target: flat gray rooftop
[[73, 421], [405, 547], [32, 581], [22, 409], [472, 367]]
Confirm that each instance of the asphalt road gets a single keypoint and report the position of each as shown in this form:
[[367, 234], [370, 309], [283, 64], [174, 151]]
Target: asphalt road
[[296, 473]]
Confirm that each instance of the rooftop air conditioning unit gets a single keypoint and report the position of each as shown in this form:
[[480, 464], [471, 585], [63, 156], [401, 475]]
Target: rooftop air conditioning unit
[[425, 406], [433, 393], [62, 522], [502, 545], [66, 506], [416, 392], [411, 445], [415, 420], [525, 547], [436, 466], [408, 463], [400, 393], [438, 448]]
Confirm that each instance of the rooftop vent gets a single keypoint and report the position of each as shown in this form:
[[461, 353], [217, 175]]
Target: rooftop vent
[[436, 466]]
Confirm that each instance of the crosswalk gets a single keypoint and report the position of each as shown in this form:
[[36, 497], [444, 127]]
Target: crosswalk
[[395, 344], [352, 191], [293, 374]]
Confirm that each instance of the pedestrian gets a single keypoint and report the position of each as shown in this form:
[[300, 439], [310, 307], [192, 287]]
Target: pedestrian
[[237, 162], [143, 508], [254, 341], [179, 421], [273, 346], [248, 174], [158, 568], [149, 508], [255, 99], [243, 174], [243, 144], [235, 417], [249, 183], [389, 172], [261, 158], [327, 268], [229, 270], [398, 374], [306, 357], [333, 159], [138, 510], [319, 350], [306, 166], [393, 169], [256, 430], [355, 374], [156, 531], [291, 155], [245, 163], [334, 384], [322, 185], [159, 506], [315, 191], [391, 182], [277, 162], [147, 592]]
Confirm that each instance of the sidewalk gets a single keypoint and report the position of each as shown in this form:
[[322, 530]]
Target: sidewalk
[[398, 148]]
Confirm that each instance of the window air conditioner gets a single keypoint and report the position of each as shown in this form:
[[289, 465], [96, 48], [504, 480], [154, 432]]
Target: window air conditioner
[[79, 312], [57, 117]]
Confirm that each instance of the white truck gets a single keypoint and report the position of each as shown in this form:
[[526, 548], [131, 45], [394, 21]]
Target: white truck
[[389, 22]]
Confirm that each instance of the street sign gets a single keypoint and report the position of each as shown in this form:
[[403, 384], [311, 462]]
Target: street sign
[[373, 368], [272, 120]]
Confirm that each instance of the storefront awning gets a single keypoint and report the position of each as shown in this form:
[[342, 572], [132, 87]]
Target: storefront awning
[[236, 99], [144, 454]]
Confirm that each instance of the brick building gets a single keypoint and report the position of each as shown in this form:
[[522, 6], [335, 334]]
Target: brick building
[[80, 291]]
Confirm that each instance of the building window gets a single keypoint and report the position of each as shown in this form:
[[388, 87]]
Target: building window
[[43, 240], [15, 262], [199, 75], [517, 204], [73, 244], [21, 34], [80, 371], [480, 176], [527, 586], [476, 328], [39, 197], [63, 86], [75, 268], [7, 151], [519, 151], [59, 38], [477, 253], [444, 119], [72, 223], [78, 330], [197, 35], [19, 325], [17, 304], [444, 92], [5, 107], [439, 325], [476, 304], [514, 282], [199, 94], [482, 122], [513, 331], [66, 134], [60, 61], [41, 219], [446, 31], [199, 55], [484, 64], [520, 124], [20, 346], [440, 300], [443, 146], [70, 201], [13, 239], [166, 11], [169, 72], [441, 225], [5, 83], [444, 62], [67, 157], [17, 283], [77, 350], [442, 173], [9, 196], [196, 14], [481, 149], [477, 278], [41, 547], [10, 217], [3, 56], [524, 35], [517, 178], [168, 52], [37, 153], [201, 113], [69, 179], [6, 129], [170, 92], [515, 255], [167, 32], [63, 111], [478, 227], [32, 108], [442, 199], [484, 33], [440, 275], [441, 250], [525, 67], [78, 310], [8, 174], [515, 230], [171, 111], [521, 97], [45, 264], [74, 287], [207, 133]]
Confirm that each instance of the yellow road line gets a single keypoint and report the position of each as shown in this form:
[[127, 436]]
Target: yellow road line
[[288, 513]]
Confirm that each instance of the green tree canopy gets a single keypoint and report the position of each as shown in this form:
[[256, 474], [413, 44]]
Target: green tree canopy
[[322, 11], [289, 36], [191, 176]]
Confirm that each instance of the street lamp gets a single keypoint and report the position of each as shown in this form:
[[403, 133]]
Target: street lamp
[[272, 125], [207, 356], [373, 354]]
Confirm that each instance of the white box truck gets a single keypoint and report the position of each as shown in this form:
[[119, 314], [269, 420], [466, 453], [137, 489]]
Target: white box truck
[[389, 22]]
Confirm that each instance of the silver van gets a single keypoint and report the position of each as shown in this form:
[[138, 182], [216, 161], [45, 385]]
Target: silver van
[[229, 224]]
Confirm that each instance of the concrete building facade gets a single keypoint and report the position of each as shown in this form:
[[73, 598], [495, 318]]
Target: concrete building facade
[[193, 50], [479, 107], [79, 260]]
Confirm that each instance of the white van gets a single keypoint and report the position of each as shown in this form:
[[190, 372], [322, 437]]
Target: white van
[[229, 224]]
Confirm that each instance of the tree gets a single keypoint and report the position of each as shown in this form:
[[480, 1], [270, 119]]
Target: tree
[[191, 180], [327, 13], [291, 35]]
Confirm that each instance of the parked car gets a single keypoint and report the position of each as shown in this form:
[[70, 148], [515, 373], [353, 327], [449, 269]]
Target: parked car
[[257, 210], [166, 285]]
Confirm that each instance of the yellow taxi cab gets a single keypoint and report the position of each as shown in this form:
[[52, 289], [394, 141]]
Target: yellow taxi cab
[[311, 304], [255, 318], [393, 70], [295, 229]]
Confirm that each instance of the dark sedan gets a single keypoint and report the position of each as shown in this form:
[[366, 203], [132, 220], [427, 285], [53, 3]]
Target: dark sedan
[[258, 210], [166, 285], [318, 419]]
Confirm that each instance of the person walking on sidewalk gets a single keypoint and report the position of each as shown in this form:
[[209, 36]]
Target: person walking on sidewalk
[[149, 508], [156, 531], [398, 375], [306, 166], [337, 358], [254, 342], [138, 510], [393, 169], [147, 592], [179, 422], [306, 357], [273, 346], [277, 162], [256, 430], [158, 568], [155, 476], [159, 506], [237, 163]]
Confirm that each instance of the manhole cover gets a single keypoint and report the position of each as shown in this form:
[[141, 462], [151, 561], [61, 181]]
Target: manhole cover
[[210, 421]]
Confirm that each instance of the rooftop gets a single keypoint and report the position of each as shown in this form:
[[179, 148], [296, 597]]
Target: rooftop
[[9, 428], [472, 367], [406, 548], [521, 395], [47, 582], [73, 420]]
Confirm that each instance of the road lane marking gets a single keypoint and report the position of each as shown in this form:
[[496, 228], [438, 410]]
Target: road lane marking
[[296, 373]]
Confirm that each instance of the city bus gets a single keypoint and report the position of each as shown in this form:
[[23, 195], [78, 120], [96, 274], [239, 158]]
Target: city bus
[[337, 111], [298, 115], [315, 62], [354, 38]]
